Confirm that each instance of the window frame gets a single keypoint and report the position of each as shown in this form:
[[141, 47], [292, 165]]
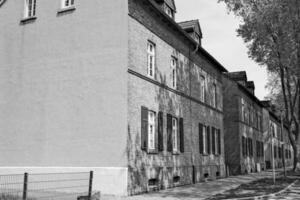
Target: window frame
[[70, 2], [151, 56], [214, 95], [174, 64], [175, 134], [29, 10], [169, 11], [153, 124], [202, 88]]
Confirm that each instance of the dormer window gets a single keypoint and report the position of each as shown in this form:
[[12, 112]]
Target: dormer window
[[169, 11], [197, 39]]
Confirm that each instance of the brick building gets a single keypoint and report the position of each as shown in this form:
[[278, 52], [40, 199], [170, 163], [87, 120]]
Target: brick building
[[250, 126], [178, 92], [117, 87], [277, 143], [243, 133]]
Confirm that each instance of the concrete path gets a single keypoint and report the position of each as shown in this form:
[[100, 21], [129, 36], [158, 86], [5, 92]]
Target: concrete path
[[196, 191]]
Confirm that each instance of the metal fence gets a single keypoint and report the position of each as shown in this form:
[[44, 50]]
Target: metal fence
[[46, 186]]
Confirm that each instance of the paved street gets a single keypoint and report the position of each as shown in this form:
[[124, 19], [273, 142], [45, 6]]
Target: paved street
[[197, 191]]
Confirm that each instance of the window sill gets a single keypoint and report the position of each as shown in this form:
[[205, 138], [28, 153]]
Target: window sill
[[27, 20], [153, 152], [66, 10], [176, 153]]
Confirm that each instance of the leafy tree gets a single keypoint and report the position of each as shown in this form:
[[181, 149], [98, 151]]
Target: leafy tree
[[271, 30]]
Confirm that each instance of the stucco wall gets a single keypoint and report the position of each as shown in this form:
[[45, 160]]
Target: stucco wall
[[63, 85]]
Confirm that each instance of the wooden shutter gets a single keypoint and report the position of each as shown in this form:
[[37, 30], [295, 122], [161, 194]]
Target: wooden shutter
[[201, 138], [213, 140], [219, 142], [160, 131], [181, 135], [144, 128], [169, 133], [208, 139]]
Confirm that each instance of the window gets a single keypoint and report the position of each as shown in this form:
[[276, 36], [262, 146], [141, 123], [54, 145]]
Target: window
[[151, 59], [214, 95], [202, 139], [169, 11], [151, 130], [243, 110], [202, 88], [174, 72], [197, 38], [67, 3], [175, 134], [244, 146], [30, 6]]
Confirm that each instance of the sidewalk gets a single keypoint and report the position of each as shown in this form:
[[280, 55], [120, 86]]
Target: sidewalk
[[197, 191]]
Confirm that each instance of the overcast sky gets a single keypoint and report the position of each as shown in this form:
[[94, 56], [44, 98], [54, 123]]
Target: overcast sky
[[220, 38]]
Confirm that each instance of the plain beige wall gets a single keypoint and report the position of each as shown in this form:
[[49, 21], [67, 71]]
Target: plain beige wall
[[63, 96]]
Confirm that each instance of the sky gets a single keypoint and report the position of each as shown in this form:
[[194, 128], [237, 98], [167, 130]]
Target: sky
[[220, 38]]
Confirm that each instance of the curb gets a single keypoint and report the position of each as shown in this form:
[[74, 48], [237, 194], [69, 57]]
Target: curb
[[267, 195]]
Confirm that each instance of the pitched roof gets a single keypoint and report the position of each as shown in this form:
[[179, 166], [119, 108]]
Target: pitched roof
[[238, 76], [179, 30], [191, 24]]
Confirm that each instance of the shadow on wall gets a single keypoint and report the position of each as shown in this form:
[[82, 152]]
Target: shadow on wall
[[163, 169]]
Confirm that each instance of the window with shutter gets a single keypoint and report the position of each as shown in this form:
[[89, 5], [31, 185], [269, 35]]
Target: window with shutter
[[169, 133], [151, 130], [213, 134], [144, 128], [181, 134], [175, 134], [160, 131], [208, 139]]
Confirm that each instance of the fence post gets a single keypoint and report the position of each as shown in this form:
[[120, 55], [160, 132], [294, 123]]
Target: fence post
[[25, 184], [90, 185]]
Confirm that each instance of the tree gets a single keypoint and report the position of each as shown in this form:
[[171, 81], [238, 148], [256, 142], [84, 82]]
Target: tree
[[271, 30]]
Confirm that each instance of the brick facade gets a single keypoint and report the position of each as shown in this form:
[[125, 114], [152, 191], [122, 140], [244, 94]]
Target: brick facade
[[183, 102]]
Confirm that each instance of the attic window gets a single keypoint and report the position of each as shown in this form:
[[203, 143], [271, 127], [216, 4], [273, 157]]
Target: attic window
[[197, 38], [169, 11]]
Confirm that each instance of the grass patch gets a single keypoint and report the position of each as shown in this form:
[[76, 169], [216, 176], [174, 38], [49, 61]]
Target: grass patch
[[256, 188]]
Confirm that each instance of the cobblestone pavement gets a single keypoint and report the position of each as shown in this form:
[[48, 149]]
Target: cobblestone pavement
[[293, 193], [196, 191]]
